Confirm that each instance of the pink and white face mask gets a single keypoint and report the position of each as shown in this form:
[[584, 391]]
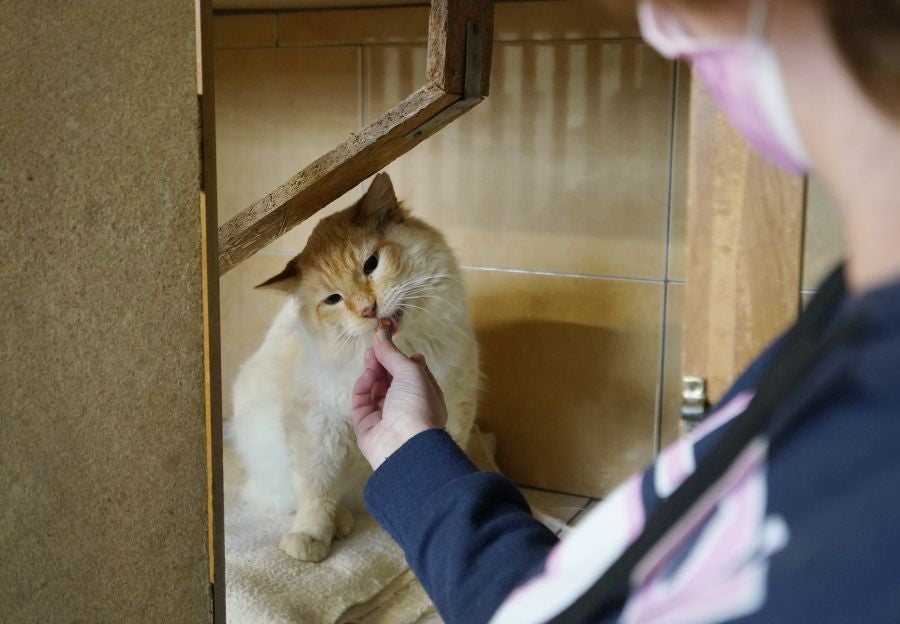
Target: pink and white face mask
[[742, 76]]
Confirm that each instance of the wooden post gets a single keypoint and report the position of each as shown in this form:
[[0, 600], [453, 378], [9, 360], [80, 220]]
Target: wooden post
[[447, 43], [744, 239], [459, 52]]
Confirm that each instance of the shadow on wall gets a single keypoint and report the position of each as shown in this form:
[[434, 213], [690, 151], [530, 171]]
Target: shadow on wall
[[559, 396]]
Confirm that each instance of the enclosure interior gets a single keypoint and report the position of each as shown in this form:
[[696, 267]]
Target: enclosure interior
[[563, 196]]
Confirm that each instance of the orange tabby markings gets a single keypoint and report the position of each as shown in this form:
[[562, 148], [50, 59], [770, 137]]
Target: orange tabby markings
[[292, 398]]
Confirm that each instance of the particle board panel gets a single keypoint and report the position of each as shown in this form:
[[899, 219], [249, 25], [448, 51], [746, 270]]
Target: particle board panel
[[103, 471]]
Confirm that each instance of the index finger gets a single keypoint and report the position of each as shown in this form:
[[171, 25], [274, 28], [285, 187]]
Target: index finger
[[362, 389]]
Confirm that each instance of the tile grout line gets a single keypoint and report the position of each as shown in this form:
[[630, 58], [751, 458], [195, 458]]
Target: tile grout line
[[361, 86], [522, 486], [588, 505], [422, 43], [277, 29], [804, 233], [472, 267], [661, 379], [623, 278]]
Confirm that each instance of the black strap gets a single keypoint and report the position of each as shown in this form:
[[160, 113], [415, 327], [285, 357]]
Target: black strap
[[801, 348]]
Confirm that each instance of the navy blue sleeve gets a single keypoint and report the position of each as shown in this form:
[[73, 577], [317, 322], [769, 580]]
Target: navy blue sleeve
[[468, 535]]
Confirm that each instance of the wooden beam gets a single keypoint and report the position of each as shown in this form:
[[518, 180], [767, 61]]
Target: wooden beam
[[744, 239], [361, 155], [446, 66], [459, 52]]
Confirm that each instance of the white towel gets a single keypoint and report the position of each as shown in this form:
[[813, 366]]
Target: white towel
[[364, 579]]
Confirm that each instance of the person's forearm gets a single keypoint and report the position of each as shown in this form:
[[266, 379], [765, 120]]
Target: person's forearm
[[468, 535]]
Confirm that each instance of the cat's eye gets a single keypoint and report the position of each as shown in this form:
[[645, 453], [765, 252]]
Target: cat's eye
[[332, 299], [371, 264]]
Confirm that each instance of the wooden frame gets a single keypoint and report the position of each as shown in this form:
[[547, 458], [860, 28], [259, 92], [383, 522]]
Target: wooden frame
[[744, 251], [460, 36]]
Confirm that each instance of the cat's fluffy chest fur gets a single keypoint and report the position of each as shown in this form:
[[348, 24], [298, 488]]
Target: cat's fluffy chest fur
[[292, 397]]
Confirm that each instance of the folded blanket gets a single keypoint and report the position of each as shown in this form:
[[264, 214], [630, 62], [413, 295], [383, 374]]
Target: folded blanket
[[364, 577]]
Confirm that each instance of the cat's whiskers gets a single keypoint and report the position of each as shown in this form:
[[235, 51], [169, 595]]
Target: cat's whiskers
[[433, 281], [425, 278], [444, 300], [410, 306], [414, 290], [426, 293]]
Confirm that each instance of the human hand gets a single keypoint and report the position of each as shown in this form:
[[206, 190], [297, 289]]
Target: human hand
[[394, 399]]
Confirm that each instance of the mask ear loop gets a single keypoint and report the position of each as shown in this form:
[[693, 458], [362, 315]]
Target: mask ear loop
[[757, 20]]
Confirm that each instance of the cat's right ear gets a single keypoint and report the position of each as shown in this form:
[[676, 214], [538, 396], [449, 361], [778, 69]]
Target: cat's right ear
[[287, 280], [379, 205]]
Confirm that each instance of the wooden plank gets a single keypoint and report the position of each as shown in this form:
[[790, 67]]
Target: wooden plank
[[360, 156], [212, 352], [446, 66], [744, 249], [460, 34]]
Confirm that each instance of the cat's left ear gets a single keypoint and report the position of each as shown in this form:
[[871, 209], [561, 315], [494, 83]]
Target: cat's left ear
[[287, 280], [380, 205]]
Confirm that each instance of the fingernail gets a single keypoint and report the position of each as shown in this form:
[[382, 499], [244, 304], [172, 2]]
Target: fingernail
[[384, 330]]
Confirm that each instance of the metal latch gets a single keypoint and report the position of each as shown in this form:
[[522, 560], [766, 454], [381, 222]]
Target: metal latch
[[693, 401]]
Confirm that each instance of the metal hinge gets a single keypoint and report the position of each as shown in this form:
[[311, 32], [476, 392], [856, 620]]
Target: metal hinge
[[693, 401]]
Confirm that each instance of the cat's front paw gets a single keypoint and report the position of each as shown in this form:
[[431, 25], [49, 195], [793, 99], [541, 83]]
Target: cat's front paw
[[304, 547], [343, 522]]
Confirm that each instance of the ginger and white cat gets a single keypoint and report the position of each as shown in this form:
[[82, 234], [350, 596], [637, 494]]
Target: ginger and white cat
[[292, 422]]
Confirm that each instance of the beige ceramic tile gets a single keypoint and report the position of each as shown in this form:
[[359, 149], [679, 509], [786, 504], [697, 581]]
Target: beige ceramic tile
[[563, 507], [277, 110], [678, 226], [382, 25], [305, 4], [572, 19], [246, 314], [670, 419], [823, 246], [245, 30], [571, 368], [563, 168], [513, 21]]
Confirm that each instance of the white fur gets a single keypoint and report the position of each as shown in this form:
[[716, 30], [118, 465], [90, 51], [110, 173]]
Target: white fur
[[292, 400]]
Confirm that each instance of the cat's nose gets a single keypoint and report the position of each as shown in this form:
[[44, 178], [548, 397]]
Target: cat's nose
[[370, 310]]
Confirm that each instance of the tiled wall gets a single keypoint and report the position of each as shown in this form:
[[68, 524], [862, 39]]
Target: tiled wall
[[823, 246], [562, 194]]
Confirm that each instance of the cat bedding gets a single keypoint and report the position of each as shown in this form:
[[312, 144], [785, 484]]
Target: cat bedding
[[364, 580]]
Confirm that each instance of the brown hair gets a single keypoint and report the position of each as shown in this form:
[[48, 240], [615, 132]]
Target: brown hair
[[867, 33]]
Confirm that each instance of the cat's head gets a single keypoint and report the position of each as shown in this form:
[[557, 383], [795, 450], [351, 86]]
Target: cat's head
[[370, 261]]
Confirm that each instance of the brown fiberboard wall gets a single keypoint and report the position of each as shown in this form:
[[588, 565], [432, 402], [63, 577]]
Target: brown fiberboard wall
[[102, 469]]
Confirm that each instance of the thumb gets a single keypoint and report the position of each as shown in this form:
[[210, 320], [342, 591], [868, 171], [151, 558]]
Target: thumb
[[388, 355]]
